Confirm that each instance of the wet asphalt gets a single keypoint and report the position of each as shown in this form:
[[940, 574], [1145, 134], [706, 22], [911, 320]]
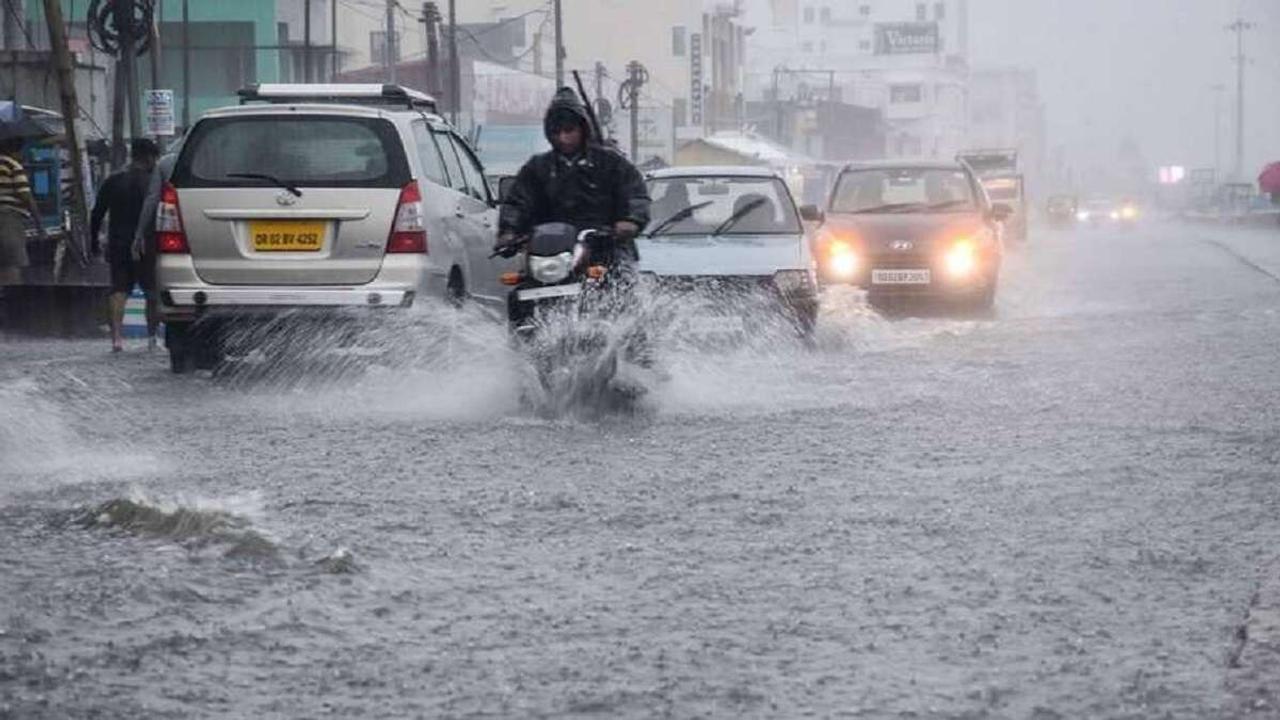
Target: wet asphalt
[[1066, 510]]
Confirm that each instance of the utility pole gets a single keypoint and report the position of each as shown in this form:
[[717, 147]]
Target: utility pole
[[14, 17], [559, 45], [389, 47], [455, 72], [1238, 27], [70, 111], [430, 22], [306, 41], [186, 66], [155, 45], [600, 73]]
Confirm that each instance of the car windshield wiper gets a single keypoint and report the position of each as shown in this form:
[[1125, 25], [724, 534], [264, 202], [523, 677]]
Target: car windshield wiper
[[269, 178], [677, 216], [890, 208], [948, 205], [741, 213]]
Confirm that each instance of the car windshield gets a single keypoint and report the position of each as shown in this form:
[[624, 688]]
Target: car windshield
[[732, 205], [319, 151], [903, 190]]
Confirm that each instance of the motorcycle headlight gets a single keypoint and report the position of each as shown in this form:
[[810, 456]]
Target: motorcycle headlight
[[552, 269], [793, 281]]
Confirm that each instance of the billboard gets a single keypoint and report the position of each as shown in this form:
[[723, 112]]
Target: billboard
[[907, 38]]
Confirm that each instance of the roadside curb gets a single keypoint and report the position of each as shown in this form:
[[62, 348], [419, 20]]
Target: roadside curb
[[1254, 666]]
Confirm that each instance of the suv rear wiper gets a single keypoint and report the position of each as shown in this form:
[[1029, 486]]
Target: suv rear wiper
[[269, 178]]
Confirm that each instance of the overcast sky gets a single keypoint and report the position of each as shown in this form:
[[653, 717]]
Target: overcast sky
[[1145, 68]]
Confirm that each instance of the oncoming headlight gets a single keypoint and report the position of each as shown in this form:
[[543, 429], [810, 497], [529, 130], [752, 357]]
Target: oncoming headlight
[[550, 269]]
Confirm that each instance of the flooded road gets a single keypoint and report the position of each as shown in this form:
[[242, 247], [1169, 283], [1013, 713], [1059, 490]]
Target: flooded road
[[1067, 510]]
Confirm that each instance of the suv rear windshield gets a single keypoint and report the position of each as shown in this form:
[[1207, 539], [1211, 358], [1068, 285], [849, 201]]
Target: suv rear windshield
[[302, 151]]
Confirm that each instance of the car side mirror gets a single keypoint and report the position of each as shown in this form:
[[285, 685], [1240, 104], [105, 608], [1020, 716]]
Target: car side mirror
[[1000, 212], [811, 213]]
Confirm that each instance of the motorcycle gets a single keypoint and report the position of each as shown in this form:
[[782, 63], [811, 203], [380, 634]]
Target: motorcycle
[[564, 310]]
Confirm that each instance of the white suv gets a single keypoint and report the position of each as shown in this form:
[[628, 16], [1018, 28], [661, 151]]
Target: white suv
[[314, 198]]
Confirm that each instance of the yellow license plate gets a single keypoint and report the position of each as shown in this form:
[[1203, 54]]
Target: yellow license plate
[[286, 235]]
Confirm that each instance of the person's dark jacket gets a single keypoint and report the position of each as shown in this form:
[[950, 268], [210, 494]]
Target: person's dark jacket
[[595, 189]]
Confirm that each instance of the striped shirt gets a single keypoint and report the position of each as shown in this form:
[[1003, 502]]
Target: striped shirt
[[15, 188]]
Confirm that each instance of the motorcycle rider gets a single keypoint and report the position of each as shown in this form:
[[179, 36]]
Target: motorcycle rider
[[579, 181]]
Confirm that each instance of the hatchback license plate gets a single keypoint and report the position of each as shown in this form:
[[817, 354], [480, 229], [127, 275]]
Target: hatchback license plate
[[549, 292], [287, 235], [900, 277]]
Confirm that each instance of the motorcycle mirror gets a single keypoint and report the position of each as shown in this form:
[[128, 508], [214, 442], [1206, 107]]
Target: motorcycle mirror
[[811, 213]]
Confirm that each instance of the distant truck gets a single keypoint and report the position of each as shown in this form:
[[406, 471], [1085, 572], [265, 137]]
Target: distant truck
[[998, 172]]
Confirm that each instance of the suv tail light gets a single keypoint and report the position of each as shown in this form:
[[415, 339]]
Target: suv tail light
[[409, 233], [170, 237]]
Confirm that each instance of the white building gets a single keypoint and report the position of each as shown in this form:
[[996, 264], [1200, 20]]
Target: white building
[[907, 58]]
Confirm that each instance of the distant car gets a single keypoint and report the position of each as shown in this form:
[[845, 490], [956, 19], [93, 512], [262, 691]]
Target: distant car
[[1062, 209], [315, 199], [733, 240], [902, 229], [1101, 212]]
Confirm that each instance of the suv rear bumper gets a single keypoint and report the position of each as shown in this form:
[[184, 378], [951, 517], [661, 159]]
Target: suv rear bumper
[[191, 300], [184, 296]]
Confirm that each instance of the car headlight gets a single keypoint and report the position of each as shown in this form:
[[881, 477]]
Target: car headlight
[[1129, 212], [792, 281], [842, 260], [962, 258], [1082, 215], [552, 269]]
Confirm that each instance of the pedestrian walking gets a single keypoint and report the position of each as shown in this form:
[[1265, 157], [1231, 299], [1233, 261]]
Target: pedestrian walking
[[144, 241], [121, 197], [17, 208]]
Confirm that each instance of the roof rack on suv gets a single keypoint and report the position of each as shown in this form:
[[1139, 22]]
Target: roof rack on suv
[[352, 93]]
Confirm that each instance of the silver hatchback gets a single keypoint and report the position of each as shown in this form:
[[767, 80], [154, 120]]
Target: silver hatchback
[[311, 199]]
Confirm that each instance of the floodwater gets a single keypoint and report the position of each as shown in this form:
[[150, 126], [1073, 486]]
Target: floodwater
[[1065, 510]]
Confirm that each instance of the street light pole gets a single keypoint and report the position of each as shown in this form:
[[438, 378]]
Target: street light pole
[[1218, 90], [1238, 27], [559, 46]]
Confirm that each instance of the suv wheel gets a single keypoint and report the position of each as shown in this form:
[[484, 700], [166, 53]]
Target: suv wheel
[[176, 335]]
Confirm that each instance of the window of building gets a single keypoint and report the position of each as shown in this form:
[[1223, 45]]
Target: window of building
[[378, 47], [922, 12], [808, 15], [807, 47], [940, 11], [822, 47], [904, 94], [679, 38], [864, 45], [865, 11], [825, 15]]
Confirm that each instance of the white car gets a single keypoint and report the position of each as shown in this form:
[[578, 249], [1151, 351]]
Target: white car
[[733, 238]]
